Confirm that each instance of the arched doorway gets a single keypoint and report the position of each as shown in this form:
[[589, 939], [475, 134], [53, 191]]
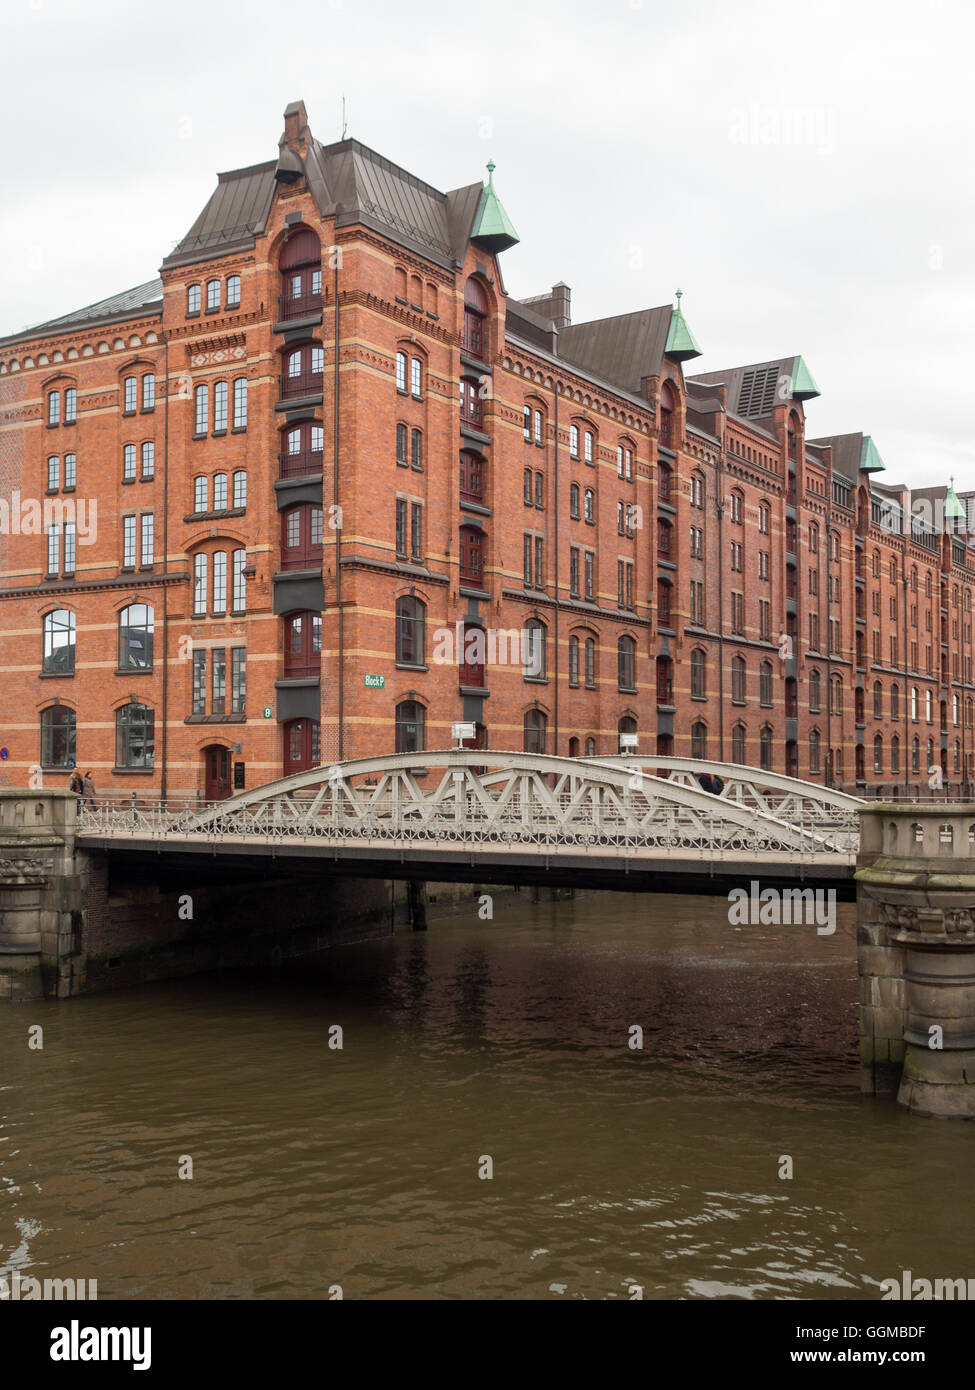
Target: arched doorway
[[216, 772]]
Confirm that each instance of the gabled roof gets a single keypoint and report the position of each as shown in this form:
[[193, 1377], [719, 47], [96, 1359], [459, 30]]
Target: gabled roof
[[754, 390], [852, 453], [125, 305], [623, 349]]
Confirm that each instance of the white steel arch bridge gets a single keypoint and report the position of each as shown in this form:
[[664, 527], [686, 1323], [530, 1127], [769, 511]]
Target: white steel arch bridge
[[478, 815]]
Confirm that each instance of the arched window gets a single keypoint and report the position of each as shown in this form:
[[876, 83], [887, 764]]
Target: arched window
[[202, 410], [699, 739], [765, 684], [475, 318], [590, 655], [765, 747], [626, 661], [590, 747], [301, 275], [302, 449], [302, 745], [915, 754], [219, 407], [698, 665], [836, 695], [471, 405], [955, 707], [536, 731], [58, 749], [201, 493], [301, 537], [471, 476], [59, 643], [878, 753], [533, 649], [895, 701], [193, 299], [410, 727], [304, 368], [136, 626], [213, 294], [240, 403], [573, 660], [930, 758], [815, 691], [135, 735], [575, 511], [472, 555], [738, 674], [895, 754], [233, 291], [219, 492], [626, 725], [664, 539], [814, 751], [590, 507], [697, 490], [402, 367], [738, 744], [302, 644], [667, 406], [665, 481], [878, 700], [473, 655], [928, 707], [411, 614], [664, 595], [914, 703]]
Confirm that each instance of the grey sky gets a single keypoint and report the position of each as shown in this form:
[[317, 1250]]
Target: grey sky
[[802, 172]]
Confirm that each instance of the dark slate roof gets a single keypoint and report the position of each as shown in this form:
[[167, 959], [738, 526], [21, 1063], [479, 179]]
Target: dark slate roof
[[125, 305], [533, 328], [753, 389], [623, 349], [350, 182]]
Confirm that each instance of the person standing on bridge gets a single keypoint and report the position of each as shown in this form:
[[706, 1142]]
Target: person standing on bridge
[[76, 784], [88, 791]]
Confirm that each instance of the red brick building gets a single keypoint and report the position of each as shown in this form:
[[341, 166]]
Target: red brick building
[[324, 488]]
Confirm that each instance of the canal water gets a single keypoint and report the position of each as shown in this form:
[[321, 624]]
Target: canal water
[[480, 1044]]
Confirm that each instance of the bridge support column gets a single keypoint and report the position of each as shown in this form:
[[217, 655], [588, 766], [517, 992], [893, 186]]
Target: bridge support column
[[916, 947], [36, 873]]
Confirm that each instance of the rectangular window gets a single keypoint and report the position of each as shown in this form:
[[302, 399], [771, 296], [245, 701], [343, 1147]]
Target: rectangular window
[[590, 575], [574, 441], [148, 529], [624, 583], [401, 520], [213, 294], [765, 620], [220, 581], [70, 406], [218, 689], [737, 613], [220, 406], [416, 532], [416, 376], [148, 392], [233, 291], [148, 459], [401, 371], [240, 581], [574, 572], [128, 542], [814, 631], [53, 473], [219, 492], [131, 386], [202, 409], [199, 680], [590, 446], [53, 548], [539, 563], [238, 678], [128, 463], [538, 427], [54, 408], [240, 403], [619, 460], [70, 470], [240, 488], [527, 553], [416, 450], [199, 584], [528, 422], [200, 491]]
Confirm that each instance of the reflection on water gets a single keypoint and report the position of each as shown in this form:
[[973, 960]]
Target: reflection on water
[[509, 1038]]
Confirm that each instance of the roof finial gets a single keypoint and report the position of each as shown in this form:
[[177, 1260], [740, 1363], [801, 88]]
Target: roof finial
[[491, 166], [679, 295]]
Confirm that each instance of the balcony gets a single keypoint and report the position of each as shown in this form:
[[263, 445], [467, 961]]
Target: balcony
[[298, 465], [301, 306], [301, 384]]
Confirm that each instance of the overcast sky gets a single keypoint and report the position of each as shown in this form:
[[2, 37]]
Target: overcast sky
[[802, 171]]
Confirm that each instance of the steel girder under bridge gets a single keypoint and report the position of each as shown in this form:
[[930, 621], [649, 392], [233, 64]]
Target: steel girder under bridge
[[497, 816]]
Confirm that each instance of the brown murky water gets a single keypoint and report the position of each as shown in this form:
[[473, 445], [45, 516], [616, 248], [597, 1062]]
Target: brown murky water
[[509, 1038]]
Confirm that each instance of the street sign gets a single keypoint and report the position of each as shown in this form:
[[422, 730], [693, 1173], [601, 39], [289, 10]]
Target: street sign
[[268, 711], [375, 682]]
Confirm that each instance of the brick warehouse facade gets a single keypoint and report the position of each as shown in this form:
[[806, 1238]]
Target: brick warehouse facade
[[295, 500]]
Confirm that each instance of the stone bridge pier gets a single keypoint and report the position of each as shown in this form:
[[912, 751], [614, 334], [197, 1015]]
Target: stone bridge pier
[[916, 947], [40, 891]]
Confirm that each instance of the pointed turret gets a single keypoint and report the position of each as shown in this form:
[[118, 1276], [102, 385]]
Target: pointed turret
[[953, 505], [681, 343], [492, 226], [870, 460], [803, 385]]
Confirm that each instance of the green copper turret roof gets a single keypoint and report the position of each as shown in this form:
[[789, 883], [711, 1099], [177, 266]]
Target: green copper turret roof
[[681, 343], [492, 226], [803, 385], [870, 460], [953, 506]]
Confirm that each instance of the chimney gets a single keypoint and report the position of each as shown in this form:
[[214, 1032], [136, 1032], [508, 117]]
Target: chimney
[[296, 127], [561, 305]]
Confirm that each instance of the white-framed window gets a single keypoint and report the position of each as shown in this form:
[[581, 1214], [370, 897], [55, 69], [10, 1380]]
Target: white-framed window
[[131, 387], [193, 299], [219, 492], [53, 473], [416, 377], [70, 470], [201, 493], [53, 548], [233, 291], [128, 461], [148, 392], [128, 542], [213, 294], [69, 547], [240, 488], [202, 409], [539, 422], [240, 401], [54, 408], [148, 459], [590, 443], [70, 406], [574, 441], [220, 405], [199, 580], [401, 371], [219, 581], [148, 537], [240, 581]]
